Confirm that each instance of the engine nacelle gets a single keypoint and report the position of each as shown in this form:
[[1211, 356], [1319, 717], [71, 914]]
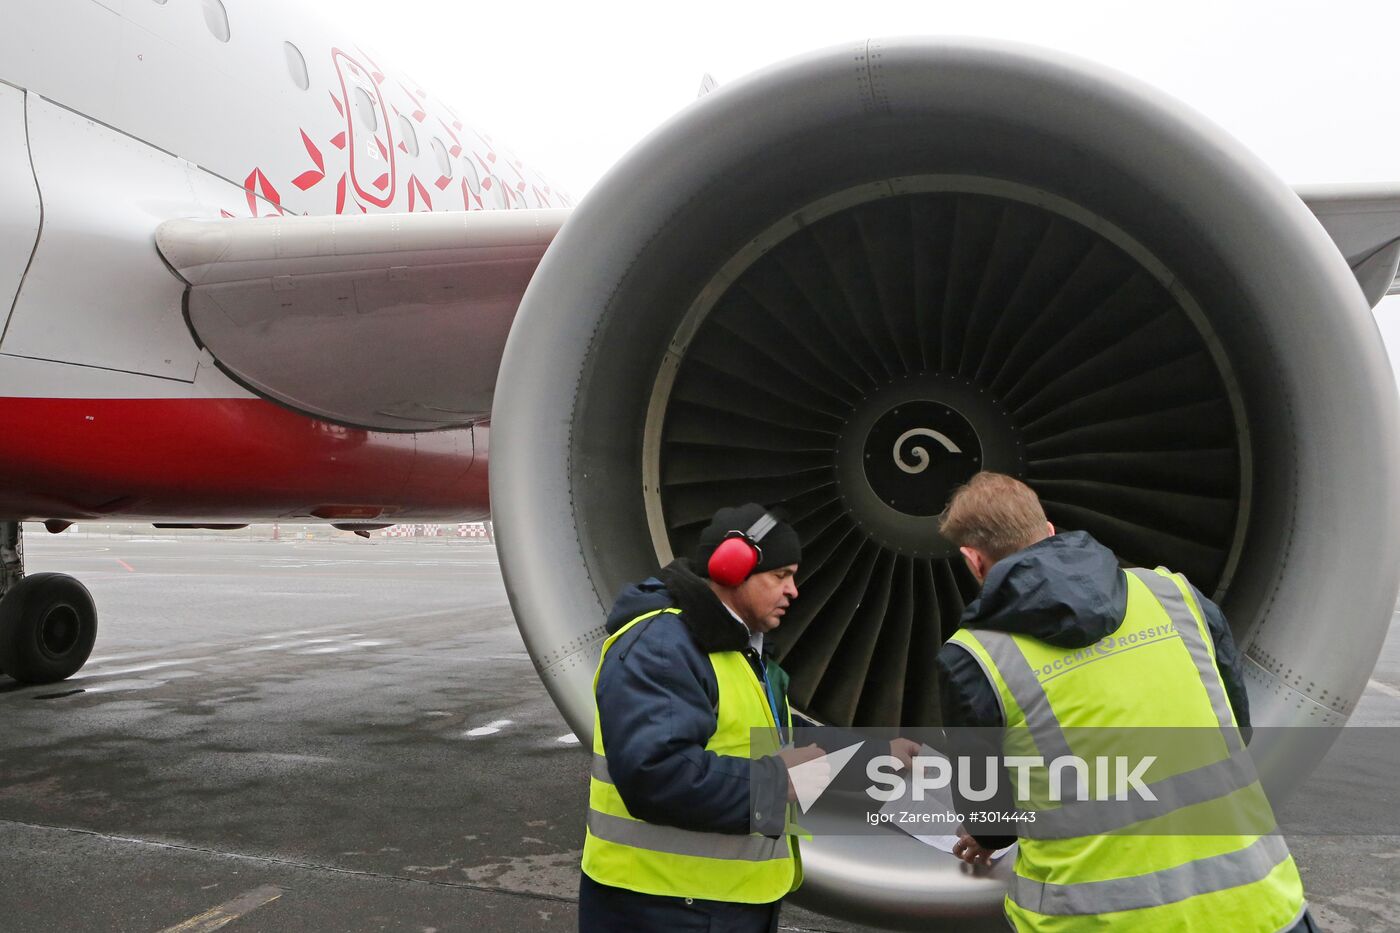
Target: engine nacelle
[[848, 282]]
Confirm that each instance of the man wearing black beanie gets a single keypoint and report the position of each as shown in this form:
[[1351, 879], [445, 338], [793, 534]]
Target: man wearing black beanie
[[675, 797]]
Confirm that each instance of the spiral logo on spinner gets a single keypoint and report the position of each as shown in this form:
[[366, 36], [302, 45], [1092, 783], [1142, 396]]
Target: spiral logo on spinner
[[917, 453], [920, 453]]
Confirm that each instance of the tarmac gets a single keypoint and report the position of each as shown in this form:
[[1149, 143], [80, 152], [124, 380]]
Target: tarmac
[[345, 734]]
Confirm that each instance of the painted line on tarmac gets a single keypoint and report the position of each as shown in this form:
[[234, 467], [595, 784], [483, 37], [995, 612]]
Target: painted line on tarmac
[[491, 728], [229, 911], [1381, 687], [306, 631], [284, 640], [137, 668], [93, 662], [129, 568]]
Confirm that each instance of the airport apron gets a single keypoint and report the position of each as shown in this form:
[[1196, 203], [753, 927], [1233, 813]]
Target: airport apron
[[1206, 854], [625, 852]]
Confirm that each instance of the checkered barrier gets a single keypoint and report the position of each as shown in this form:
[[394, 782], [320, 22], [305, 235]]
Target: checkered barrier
[[461, 530]]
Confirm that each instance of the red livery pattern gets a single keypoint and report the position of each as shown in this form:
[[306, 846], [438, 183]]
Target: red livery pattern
[[370, 178]]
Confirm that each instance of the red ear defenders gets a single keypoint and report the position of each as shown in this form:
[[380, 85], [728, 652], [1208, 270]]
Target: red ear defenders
[[738, 554]]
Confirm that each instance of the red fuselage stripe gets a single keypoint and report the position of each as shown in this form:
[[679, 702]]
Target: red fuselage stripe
[[225, 459]]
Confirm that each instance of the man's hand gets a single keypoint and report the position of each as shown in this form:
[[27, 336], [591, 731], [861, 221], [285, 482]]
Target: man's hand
[[971, 851], [792, 757], [906, 750]]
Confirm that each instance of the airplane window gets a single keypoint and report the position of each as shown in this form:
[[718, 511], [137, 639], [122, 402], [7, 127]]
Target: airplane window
[[296, 64], [410, 136], [444, 163], [364, 104], [473, 180], [216, 17]]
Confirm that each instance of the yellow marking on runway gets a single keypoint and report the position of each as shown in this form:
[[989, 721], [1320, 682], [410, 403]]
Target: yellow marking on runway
[[227, 912]]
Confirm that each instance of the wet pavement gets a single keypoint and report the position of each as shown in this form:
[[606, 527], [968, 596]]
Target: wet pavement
[[340, 734]]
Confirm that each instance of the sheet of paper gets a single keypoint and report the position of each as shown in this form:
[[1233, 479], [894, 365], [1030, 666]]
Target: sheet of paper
[[945, 844], [923, 819]]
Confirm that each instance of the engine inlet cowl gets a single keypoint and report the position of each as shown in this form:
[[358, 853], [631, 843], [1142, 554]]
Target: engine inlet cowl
[[844, 285]]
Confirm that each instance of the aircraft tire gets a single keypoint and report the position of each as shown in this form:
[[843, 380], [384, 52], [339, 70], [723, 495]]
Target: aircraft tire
[[48, 623]]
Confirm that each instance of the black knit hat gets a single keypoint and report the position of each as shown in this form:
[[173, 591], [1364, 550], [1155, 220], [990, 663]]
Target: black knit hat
[[780, 546]]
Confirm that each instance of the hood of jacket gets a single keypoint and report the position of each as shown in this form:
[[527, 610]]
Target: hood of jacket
[[1067, 590], [711, 625]]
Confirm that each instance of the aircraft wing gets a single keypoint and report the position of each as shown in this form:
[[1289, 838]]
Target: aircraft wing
[[1364, 222], [397, 321], [389, 321]]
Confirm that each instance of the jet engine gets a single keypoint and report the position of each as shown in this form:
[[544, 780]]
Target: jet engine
[[847, 283]]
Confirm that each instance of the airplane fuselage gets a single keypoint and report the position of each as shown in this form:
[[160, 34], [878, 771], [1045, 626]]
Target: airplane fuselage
[[116, 117]]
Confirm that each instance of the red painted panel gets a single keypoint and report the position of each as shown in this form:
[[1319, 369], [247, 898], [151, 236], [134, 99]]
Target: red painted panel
[[225, 459]]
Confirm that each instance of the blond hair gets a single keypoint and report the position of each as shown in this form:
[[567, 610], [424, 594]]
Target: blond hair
[[995, 513]]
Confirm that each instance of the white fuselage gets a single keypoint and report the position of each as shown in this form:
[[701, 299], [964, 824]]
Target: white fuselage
[[118, 115]]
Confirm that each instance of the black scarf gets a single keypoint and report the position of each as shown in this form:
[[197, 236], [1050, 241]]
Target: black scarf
[[712, 625]]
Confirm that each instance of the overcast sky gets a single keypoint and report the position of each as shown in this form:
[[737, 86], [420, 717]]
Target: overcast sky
[[1312, 87]]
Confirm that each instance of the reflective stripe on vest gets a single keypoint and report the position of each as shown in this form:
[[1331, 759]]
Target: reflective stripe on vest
[[1201, 876], [1189, 626], [1069, 874], [623, 851], [669, 839], [752, 848]]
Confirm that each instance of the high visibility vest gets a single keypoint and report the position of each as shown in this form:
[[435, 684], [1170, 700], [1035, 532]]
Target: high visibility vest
[[625, 852], [1090, 859]]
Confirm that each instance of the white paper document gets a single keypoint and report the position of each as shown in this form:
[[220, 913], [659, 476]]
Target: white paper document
[[929, 820]]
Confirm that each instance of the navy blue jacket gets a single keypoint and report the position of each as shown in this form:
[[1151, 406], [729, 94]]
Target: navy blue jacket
[[657, 700], [1067, 590]]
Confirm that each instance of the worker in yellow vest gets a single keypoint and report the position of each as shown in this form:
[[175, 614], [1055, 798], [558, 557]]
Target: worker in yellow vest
[[687, 820], [672, 812], [1062, 649]]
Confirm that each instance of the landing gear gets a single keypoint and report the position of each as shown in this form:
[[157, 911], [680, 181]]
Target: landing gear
[[48, 621]]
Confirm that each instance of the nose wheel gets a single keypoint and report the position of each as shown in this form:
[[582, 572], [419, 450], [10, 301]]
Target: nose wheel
[[48, 621]]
